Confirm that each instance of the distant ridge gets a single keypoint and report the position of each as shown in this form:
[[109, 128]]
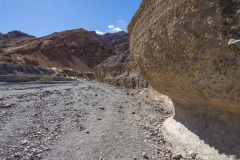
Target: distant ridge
[[15, 36]]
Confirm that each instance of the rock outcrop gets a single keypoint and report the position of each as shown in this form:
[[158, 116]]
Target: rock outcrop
[[189, 50], [120, 70], [21, 73]]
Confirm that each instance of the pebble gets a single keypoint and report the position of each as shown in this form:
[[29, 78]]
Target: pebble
[[6, 105], [144, 154], [81, 127], [177, 157], [102, 108], [193, 155], [17, 155], [24, 142]]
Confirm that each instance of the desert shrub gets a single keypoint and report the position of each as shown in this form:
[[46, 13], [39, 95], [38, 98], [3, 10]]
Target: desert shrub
[[46, 79]]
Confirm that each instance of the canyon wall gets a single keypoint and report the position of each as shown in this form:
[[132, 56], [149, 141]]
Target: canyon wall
[[190, 51]]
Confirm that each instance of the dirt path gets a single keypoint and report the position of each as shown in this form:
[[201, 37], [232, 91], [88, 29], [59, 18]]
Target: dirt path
[[78, 121]]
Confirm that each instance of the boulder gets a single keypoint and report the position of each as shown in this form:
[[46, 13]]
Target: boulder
[[189, 50]]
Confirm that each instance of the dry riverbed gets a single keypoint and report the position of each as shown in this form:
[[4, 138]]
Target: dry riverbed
[[83, 120]]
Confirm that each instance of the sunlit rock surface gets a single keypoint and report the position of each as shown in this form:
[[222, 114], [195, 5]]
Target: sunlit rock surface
[[189, 51]]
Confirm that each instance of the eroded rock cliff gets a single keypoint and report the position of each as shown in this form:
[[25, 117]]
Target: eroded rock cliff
[[120, 70], [189, 50]]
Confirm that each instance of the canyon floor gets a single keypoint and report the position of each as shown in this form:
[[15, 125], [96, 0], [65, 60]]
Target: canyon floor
[[83, 120]]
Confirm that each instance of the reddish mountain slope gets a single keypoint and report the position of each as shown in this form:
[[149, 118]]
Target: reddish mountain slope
[[78, 50]]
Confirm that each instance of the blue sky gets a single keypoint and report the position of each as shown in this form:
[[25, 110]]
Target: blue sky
[[43, 17]]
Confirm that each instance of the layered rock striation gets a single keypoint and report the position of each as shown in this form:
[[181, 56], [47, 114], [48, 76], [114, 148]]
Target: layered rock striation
[[120, 70], [189, 50], [21, 73]]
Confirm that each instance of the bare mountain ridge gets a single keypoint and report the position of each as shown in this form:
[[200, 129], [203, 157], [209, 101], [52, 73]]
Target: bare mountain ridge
[[15, 36], [77, 50]]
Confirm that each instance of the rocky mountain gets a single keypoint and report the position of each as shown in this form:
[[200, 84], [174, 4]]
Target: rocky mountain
[[77, 50], [15, 36], [189, 50], [1, 36], [118, 41]]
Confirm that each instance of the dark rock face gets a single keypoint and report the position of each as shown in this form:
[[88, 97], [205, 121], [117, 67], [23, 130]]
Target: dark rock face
[[18, 69], [120, 70], [189, 51], [16, 36], [1, 36], [17, 72]]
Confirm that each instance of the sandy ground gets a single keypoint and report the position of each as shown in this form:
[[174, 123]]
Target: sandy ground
[[83, 120]]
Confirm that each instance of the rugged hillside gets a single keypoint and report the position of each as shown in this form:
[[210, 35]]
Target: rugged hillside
[[77, 50], [189, 50], [13, 37]]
